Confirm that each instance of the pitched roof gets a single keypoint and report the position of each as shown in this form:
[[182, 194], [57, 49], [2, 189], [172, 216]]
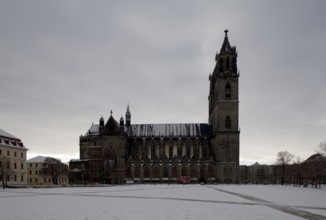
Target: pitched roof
[[169, 130], [161, 130], [9, 140], [316, 157], [7, 135], [93, 130], [226, 47], [38, 159]]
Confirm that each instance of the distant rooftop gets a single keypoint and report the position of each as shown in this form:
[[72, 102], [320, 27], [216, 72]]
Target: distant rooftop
[[38, 159], [7, 135], [9, 140]]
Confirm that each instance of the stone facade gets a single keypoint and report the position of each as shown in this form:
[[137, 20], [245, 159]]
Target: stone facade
[[122, 152], [13, 170], [41, 173]]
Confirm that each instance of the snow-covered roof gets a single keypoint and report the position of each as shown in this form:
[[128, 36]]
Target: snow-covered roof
[[316, 157], [9, 140], [169, 130], [7, 135], [161, 130], [38, 159], [93, 130]]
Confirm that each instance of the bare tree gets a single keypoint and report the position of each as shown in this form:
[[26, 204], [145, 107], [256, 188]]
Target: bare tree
[[5, 171], [54, 168], [283, 159], [322, 148], [297, 172]]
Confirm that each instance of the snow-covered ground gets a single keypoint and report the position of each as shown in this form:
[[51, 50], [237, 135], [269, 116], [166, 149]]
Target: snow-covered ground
[[164, 202]]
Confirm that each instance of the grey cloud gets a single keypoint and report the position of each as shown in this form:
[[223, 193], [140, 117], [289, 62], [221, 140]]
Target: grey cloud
[[64, 64]]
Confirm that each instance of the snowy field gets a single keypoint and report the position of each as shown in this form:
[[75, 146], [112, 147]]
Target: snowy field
[[164, 202]]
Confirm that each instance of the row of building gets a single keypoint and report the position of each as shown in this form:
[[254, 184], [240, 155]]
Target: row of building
[[117, 151], [16, 170], [311, 171]]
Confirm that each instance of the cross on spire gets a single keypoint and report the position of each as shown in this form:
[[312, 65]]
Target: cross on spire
[[111, 112]]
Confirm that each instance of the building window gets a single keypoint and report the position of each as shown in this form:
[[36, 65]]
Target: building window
[[22, 166], [36, 172], [15, 154], [8, 165], [30, 172], [227, 63], [220, 65], [228, 122], [22, 155], [30, 180], [36, 165], [0, 163], [0, 152], [22, 178], [8, 153], [30, 165], [228, 91], [234, 64], [8, 178], [15, 178], [15, 165]]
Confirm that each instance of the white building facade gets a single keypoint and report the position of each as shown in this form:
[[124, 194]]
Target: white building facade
[[13, 167]]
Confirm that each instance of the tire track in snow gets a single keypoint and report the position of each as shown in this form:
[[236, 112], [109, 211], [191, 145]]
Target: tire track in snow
[[286, 209]]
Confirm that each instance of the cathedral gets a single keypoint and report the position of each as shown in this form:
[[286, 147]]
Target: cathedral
[[117, 152]]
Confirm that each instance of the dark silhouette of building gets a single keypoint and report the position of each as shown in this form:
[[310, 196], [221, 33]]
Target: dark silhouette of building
[[119, 152]]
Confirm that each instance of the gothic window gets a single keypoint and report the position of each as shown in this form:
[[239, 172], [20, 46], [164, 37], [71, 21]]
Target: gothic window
[[188, 151], [211, 171], [137, 172], [156, 172], [228, 122], [228, 91], [234, 64], [184, 171], [166, 172], [174, 172], [128, 172], [227, 63], [146, 172], [193, 171], [220, 65], [202, 172]]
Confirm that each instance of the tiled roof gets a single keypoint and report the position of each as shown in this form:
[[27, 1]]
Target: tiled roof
[[161, 130], [169, 130]]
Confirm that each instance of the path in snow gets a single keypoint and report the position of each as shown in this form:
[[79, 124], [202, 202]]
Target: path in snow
[[287, 209], [147, 202]]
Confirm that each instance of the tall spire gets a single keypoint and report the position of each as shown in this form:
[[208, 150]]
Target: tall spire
[[226, 47], [128, 117]]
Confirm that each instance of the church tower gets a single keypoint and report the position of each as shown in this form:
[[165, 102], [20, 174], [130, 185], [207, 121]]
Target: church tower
[[128, 117], [224, 113]]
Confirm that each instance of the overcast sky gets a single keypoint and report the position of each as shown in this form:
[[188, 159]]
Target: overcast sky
[[63, 64]]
